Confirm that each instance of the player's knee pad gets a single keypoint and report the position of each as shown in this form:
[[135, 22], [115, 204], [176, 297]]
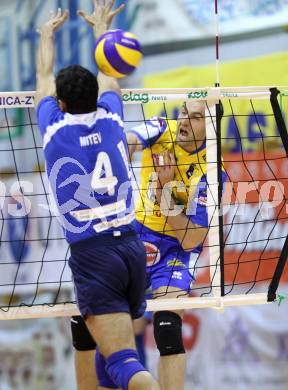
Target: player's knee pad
[[168, 333], [102, 374], [82, 340], [122, 365]]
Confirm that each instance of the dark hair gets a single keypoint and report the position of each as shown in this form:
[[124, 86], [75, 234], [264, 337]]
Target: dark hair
[[78, 88]]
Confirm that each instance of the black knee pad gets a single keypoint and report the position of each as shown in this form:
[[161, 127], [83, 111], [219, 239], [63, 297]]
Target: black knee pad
[[82, 340], [168, 333]]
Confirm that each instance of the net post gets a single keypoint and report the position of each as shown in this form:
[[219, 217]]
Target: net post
[[271, 296], [212, 198], [278, 273], [219, 114], [279, 117]]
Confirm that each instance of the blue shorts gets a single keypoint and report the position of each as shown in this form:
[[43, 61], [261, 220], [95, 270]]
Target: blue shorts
[[167, 263], [109, 275]]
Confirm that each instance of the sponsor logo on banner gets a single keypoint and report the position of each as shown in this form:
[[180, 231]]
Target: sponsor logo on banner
[[143, 97], [152, 253], [17, 100], [135, 97], [159, 98], [229, 94], [198, 95]]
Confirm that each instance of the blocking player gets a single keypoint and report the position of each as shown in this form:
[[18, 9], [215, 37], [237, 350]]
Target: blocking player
[[172, 220], [86, 160]]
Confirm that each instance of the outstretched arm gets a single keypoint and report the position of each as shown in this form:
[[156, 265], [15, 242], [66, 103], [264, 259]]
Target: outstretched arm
[[100, 21], [46, 55], [134, 144], [145, 135]]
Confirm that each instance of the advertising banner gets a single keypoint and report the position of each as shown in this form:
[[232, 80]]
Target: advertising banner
[[255, 215], [169, 20]]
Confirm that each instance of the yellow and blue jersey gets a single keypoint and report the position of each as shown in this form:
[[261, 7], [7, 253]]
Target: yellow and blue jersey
[[158, 136], [168, 264]]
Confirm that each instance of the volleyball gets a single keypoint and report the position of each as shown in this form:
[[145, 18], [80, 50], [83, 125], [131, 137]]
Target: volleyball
[[117, 53]]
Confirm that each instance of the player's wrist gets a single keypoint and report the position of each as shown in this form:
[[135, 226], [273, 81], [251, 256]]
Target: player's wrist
[[99, 29], [47, 32]]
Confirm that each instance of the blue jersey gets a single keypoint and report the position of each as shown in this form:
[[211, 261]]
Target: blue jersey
[[88, 168]]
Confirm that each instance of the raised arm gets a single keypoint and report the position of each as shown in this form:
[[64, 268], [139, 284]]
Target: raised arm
[[134, 144], [100, 20], [46, 55], [145, 135]]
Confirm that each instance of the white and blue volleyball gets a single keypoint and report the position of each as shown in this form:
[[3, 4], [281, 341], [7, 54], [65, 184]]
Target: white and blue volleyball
[[117, 53]]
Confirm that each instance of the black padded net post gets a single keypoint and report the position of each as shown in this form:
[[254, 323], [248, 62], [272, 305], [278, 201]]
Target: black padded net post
[[284, 253]]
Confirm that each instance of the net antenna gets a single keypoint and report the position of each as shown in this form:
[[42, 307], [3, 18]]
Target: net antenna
[[217, 82], [214, 180]]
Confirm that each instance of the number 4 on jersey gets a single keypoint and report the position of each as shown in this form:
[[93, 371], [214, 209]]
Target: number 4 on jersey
[[103, 165]]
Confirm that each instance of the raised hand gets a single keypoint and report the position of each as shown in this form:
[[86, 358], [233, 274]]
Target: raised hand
[[165, 168], [56, 20], [101, 18], [46, 54]]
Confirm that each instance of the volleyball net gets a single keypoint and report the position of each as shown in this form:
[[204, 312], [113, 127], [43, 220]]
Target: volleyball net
[[245, 251]]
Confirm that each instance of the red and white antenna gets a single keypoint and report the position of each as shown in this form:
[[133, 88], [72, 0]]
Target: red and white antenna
[[217, 83]]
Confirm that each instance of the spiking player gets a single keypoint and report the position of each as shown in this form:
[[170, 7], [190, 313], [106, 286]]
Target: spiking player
[[90, 180], [172, 220]]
